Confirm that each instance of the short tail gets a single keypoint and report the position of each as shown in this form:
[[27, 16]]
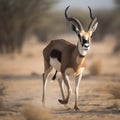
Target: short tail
[[54, 77]]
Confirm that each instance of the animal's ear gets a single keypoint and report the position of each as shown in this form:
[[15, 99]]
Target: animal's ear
[[74, 28], [93, 28]]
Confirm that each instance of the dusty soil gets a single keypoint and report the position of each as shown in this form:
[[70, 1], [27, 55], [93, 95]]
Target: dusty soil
[[21, 86]]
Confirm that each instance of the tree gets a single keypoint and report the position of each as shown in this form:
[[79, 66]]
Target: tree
[[117, 25], [16, 17], [117, 2]]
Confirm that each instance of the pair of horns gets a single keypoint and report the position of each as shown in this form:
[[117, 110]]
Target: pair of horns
[[77, 22]]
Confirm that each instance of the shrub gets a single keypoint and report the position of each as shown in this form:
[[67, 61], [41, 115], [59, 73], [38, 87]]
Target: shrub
[[113, 89], [95, 68], [2, 88]]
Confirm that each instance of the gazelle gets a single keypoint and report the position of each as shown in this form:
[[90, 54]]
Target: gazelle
[[67, 58]]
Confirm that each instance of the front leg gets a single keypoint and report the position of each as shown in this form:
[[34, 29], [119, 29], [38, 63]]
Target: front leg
[[69, 90], [61, 84], [77, 83]]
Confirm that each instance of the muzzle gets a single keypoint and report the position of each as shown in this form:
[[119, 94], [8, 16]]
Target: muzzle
[[86, 46]]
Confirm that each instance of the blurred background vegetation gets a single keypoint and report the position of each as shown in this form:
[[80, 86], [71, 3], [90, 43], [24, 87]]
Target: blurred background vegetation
[[21, 18]]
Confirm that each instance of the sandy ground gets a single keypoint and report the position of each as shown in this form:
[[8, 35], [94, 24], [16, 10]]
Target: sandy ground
[[21, 86]]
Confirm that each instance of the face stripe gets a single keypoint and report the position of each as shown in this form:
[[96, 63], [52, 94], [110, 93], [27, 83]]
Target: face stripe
[[84, 42], [79, 37]]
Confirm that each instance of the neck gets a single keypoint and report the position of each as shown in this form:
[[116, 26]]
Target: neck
[[78, 57]]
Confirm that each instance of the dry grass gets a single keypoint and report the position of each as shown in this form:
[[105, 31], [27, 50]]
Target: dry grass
[[95, 68], [1, 104], [2, 89], [114, 89], [29, 55], [115, 106], [32, 112], [111, 88]]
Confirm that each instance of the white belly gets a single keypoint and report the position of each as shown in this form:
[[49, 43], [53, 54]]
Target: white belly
[[55, 63]]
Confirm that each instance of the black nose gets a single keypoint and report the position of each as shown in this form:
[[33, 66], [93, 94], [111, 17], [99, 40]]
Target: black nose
[[86, 45]]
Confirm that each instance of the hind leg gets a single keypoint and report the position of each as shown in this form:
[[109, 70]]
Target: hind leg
[[47, 70]]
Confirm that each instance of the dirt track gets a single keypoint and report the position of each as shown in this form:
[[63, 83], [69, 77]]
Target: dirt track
[[21, 86]]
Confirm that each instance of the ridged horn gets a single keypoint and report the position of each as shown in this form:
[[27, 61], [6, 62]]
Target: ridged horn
[[93, 19], [72, 19]]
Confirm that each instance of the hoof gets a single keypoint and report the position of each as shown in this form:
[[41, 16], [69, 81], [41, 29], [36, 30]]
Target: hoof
[[76, 108], [62, 101]]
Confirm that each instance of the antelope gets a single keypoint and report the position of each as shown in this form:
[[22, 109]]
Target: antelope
[[67, 58]]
